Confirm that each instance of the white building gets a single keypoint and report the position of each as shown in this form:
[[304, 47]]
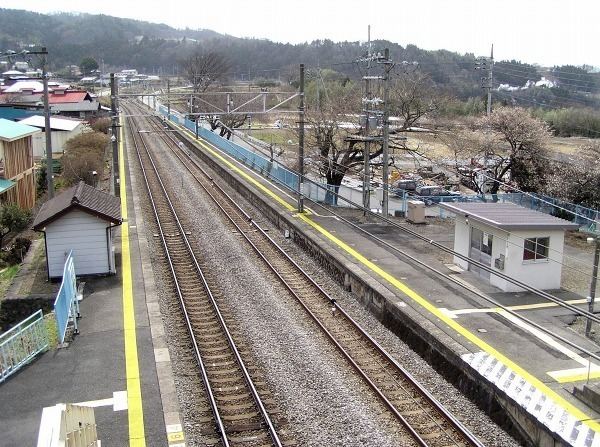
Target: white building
[[522, 243], [80, 219], [62, 130]]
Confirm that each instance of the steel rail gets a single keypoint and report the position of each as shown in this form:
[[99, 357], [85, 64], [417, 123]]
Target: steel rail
[[464, 286], [248, 379], [457, 425], [442, 247]]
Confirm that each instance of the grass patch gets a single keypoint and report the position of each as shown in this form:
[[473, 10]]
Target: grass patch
[[277, 136], [6, 278], [51, 330]]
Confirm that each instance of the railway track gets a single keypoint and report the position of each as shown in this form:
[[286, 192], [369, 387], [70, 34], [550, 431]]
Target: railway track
[[239, 416], [427, 421]]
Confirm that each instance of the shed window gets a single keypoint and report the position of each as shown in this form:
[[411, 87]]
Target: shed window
[[536, 248]]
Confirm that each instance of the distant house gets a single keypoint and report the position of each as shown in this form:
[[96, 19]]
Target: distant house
[[11, 76], [80, 219], [17, 179], [21, 65], [17, 113], [62, 99], [75, 103], [88, 80], [63, 129], [25, 86], [547, 83]]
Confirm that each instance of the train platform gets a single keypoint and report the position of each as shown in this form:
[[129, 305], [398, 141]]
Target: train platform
[[118, 363], [529, 369]]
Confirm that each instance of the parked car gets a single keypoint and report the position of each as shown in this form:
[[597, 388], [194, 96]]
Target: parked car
[[435, 194], [401, 187]]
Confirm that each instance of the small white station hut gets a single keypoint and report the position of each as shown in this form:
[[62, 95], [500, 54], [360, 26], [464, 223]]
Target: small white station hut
[[522, 243], [81, 219]]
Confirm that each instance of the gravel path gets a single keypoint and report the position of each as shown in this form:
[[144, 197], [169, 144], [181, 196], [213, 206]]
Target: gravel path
[[324, 401]]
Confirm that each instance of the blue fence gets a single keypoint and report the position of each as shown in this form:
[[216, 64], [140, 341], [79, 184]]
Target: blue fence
[[255, 161], [583, 216], [21, 344], [66, 306]]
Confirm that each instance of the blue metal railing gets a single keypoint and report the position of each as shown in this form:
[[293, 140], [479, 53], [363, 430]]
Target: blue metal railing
[[21, 344], [66, 306], [255, 161], [586, 217]]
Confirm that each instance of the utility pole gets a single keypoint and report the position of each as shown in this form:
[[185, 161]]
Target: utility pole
[[318, 92], [301, 144], [484, 63], [367, 151], [386, 129], [592, 297], [168, 98], [47, 127], [489, 86], [113, 137]]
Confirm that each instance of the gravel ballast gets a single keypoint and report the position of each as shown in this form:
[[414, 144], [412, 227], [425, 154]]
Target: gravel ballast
[[323, 399]]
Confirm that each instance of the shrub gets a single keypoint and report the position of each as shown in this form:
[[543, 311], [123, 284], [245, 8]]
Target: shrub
[[14, 218], [95, 141], [101, 125], [81, 167], [84, 154], [42, 179], [22, 243], [16, 253]]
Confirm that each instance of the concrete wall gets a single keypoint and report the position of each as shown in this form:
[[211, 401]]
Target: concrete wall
[[59, 139], [83, 233], [542, 274], [462, 235]]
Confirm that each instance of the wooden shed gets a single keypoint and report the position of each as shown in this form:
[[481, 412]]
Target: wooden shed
[[16, 164], [80, 219]]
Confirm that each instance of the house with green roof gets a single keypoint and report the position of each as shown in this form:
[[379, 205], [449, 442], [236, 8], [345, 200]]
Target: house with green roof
[[17, 176]]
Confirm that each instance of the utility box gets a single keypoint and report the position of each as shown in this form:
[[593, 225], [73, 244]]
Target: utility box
[[415, 212]]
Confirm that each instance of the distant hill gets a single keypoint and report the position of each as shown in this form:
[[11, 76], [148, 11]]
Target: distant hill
[[157, 48], [153, 47], [71, 37]]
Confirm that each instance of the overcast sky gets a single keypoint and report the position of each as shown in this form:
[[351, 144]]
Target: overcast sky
[[549, 32]]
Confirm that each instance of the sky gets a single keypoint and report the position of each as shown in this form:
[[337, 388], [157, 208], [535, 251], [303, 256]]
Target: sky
[[550, 32]]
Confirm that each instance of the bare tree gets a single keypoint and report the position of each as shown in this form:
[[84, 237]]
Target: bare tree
[[412, 98], [339, 146], [520, 149], [509, 144], [467, 146], [203, 68], [577, 180], [227, 123], [329, 136]]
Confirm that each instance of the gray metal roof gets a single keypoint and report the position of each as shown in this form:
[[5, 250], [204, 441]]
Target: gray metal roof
[[83, 197], [508, 216]]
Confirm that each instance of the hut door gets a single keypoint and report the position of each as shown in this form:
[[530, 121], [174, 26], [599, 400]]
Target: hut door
[[481, 250]]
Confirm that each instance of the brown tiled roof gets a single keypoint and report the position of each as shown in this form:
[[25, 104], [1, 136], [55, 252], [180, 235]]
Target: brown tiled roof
[[83, 197]]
